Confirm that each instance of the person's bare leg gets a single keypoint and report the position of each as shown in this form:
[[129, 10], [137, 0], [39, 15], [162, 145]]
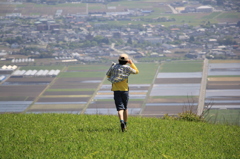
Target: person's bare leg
[[120, 114], [121, 117]]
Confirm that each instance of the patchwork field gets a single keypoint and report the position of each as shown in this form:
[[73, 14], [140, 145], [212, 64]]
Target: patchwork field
[[223, 90], [167, 88], [24, 91], [176, 86], [16, 98], [73, 87], [160, 10], [18, 93], [223, 81]]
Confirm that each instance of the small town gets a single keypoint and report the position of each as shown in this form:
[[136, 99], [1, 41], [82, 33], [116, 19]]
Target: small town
[[86, 37]]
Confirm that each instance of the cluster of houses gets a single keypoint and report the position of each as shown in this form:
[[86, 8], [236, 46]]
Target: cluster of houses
[[51, 33]]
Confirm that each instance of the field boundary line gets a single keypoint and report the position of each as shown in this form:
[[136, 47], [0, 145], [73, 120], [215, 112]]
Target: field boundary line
[[202, 93], [150, 89], [93, 96], [215, 17]]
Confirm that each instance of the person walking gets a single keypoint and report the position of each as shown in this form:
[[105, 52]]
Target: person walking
[[118, 76]]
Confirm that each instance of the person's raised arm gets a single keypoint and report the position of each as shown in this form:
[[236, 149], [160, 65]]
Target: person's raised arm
[[132, 65]]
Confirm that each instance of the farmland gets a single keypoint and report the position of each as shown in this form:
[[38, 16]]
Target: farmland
[[184, 66], [79, 88], [223, 90], [166, 88], [160, 88], [73, 87], [175, 87], [160, 10]]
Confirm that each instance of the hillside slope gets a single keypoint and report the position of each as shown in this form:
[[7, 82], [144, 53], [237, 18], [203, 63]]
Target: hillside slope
[[99, 136]]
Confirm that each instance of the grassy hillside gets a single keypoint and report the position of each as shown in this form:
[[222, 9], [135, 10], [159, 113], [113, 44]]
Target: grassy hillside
[[98, 136]]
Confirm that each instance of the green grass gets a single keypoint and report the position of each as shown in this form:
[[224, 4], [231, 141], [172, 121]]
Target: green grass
[[146, 74], [158, 59], [211, 15], [131, 4], [230, 15], [98, 136], [20, 5], [71, 5], [182, 66], [40, 5], [229, 116]]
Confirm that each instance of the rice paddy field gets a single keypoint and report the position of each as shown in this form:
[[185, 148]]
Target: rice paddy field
[[159, 89]]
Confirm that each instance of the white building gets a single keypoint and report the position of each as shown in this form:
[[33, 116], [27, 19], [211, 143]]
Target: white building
[[206, 9]]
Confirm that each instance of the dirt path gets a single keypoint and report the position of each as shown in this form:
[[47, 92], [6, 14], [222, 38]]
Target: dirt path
[[173, 10]]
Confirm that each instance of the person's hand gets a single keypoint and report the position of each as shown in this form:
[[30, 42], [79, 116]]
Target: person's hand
[[130, 61]]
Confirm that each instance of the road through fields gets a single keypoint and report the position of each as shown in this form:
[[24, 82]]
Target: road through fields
[[202, 94]]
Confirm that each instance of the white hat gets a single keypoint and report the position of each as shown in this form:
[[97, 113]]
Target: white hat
[[123, 57]]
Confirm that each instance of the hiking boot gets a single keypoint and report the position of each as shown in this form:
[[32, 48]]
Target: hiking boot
[[123, 127]]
